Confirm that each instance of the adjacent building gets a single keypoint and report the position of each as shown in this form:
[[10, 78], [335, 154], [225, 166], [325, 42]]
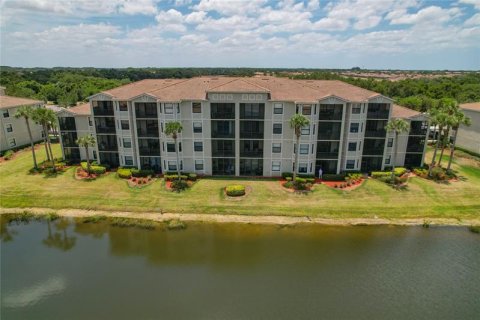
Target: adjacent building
[[469, 136], [14, 132], [240, 126]]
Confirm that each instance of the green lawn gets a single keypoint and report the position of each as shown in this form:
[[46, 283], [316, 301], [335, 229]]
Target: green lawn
[[423, 199]]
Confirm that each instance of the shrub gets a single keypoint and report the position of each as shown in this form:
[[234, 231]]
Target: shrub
[[288, 178], [8, 155], [306, 176], [310, 180], [235, 190], [172, 177], [94, 168], [94, 219], [300, 180], [354, 176], [333, 177], [400, 171], [438, 174], [287, 175], [308, 185], [380, 174], [124, 173], [421, 172], [141, 173], [179, 185], [192, 176], [475, 229], [288, 184]]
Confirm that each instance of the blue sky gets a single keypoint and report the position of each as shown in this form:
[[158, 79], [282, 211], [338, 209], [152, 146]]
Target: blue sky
[[380, 34]]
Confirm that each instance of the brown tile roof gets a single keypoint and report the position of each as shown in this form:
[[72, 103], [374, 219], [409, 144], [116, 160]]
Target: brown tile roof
[[81, 110], [10, 102], [280, 89], [475, 106], [403, 112]]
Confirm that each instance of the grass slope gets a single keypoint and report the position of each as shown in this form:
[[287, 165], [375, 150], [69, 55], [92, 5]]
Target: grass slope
[[423, 199]]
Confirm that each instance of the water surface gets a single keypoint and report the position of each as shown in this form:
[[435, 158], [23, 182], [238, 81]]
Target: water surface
[[68, 270]]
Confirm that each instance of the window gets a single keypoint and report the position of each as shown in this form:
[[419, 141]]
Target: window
[[354, 127], [90, 123], [276, 147], [198, 164], [307, 110], [388, 159], [304, 148], [12, 142], [276, 165], [178, 111], [350, 164], [169, 109], [198, 146], [172, 165], [6, 114], [352, 146], [127, 142], [94, 154], [170, 147], [125, 124], [356, 108], [122, 105], [9, 127], [306, 131], [128, 160], [277, 128], [196, 107], [390, 142], [197, 127], [278, 108], [302, 168]]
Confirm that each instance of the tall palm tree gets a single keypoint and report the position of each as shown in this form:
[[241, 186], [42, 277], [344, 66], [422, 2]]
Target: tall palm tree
[[396, 126], [449, 107], [297, 122], [46, 118], [173, 128], [457, 119], [26, 112], [85, 142]]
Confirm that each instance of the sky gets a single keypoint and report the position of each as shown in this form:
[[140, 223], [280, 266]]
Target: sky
[[370, 34]]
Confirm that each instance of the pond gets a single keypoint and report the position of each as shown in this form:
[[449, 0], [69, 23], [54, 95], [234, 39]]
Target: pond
[[72, 270]]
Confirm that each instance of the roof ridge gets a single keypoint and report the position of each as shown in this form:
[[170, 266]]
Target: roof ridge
[[170, 85], [234, 79], [257, 85]]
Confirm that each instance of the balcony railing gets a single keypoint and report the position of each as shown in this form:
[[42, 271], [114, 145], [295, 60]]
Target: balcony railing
[[327, 155], [251, 153], [375, 133], [105, 129], [147, 133], [149, 151]]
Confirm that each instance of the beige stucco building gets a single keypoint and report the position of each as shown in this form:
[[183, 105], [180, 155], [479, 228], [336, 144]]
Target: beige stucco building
[[469, 136], [13, 132], [240, 126]]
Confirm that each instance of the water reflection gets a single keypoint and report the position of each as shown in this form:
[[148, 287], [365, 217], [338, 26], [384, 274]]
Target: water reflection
[[59, 239]]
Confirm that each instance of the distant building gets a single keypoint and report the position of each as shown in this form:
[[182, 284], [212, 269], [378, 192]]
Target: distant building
[[469, 137], [240, 126], [14, 133]]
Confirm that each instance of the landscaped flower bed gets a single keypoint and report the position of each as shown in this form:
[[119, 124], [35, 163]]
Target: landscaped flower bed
[[174, 184], [300, 184], [81, 173], [438, 174], [136, 178], [399, 180], [349, 182]]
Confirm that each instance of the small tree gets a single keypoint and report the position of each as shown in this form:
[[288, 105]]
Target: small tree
[[46, 118], [297, 122], [26, 112], [86, 142], [173, 128], [457, 119], [396, 126]]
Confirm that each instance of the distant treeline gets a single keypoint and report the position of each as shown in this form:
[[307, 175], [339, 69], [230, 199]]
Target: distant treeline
[[418, 94], [67, 86]]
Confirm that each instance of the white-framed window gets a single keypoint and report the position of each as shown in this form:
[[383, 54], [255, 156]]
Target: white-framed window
[[306, 109], [278, 108], [168, 108], [356, 108], [127, 143], [172, 165], [8, 127], [128, 160], [6, 114], [350, 164], [390, 142], [354, 127], [304, 148], [302, 167], [196, 107], [125, 124], [388, 159], [94, 152], [123, 106], [198, 165], [276, 147], [198, 146], [352, 146], [12, 142], [170, 147], [306, 130], [197, 127], [276, 165], [277, 128]]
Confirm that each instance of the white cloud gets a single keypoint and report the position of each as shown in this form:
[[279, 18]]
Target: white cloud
[[232, 7], [475, 3], [474, 20], [432, 14]]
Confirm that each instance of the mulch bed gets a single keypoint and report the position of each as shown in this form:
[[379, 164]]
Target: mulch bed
[[140, 182], [332, 184], [282, 182], [81, 174], [168, 184]]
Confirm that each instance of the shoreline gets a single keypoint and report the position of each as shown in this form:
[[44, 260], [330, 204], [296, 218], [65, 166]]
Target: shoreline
[[246, 219]]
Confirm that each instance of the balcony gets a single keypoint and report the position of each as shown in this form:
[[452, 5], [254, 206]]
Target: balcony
[[327, 155], [378, 111], [222, 110], [330, 112]]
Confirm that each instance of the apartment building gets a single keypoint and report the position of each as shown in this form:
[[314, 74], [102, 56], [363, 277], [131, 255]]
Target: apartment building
[[469, 136], [14, 132], [240, 126]]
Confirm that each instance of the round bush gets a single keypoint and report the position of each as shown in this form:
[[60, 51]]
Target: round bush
[[235, 190], [124, 173]]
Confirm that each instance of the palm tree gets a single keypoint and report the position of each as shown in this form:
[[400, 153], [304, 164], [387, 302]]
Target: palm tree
[[297, 122], [86, 141], [449, 107], [396, 126], [457, 119], [46, 118], [26, 112], [173, 128]]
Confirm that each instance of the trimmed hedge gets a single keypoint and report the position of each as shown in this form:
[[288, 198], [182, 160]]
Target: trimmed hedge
[[8, 155], [124, 173], [94, 168], [139, 173], [333, 177], [235, 190], [400, 171]]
